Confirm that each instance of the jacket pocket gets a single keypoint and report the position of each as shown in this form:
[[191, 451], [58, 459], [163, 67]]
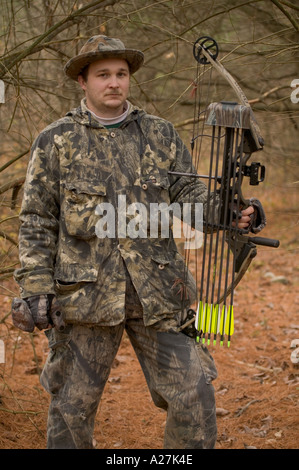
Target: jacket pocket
[[79, 207], [155, 180], [68, 276], [160, 262], [155, 186], [172, 276], [75, 290]]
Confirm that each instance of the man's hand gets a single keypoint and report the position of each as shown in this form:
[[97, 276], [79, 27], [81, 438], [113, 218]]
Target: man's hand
[[245, 219], [39, 306], [253, 217], [41, 311]]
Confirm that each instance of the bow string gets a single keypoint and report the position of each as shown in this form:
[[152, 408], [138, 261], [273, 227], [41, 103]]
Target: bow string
[[233, 135]]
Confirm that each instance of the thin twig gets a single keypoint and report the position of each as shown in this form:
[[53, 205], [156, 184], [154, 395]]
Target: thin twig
[[240, 411], [286, 13], [23, 412]]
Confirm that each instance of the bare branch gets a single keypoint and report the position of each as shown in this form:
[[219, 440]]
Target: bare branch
[[2, 168], [286, 13], [77, 16]]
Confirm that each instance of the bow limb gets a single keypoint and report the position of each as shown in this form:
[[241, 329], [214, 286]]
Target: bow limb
[[256, 133]]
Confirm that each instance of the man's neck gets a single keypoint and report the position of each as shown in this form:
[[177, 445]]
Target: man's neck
[[108, 121]]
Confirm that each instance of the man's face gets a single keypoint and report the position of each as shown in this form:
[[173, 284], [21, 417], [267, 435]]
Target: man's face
[[106, 86]]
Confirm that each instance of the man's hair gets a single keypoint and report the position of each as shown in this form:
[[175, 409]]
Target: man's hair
[[84, 72]]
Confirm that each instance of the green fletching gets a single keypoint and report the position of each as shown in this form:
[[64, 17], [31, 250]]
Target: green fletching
[[222, 320], [229, 324], [212, 319], [215, 319], [199, 314], [206, 318]]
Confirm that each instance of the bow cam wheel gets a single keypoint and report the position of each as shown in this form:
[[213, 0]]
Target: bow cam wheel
[[209, 45]]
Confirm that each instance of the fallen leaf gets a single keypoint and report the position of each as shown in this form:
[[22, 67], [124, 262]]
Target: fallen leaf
[[221, 412]]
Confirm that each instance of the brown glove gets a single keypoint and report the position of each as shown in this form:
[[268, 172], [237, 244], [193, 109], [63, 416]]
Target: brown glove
[[41, 311]]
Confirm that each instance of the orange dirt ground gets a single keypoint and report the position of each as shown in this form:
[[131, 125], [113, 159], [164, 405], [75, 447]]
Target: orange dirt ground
[[256, 389]]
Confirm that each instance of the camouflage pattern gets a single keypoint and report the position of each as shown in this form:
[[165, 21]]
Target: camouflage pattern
[[106, 285], [101, 47], [21, 315], [76, 164], [178, 372], [41, 311]]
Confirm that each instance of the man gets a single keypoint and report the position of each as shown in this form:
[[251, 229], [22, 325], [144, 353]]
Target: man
[[108, 151]]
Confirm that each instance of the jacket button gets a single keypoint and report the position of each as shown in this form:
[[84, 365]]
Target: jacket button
[[112, 134], [161, 266], [144, 186]]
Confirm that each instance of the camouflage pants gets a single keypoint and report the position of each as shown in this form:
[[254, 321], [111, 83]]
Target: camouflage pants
[[178, 372]]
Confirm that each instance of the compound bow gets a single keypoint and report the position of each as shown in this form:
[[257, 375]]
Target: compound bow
[[227, 250]]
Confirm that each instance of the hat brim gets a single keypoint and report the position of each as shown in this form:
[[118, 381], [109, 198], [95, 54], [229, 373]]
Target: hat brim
[[75, 65]]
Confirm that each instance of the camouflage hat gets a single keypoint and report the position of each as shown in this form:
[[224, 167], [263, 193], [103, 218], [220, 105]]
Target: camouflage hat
[[102, 47]]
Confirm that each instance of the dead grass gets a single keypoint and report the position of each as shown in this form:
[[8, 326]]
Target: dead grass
[[256, 390]]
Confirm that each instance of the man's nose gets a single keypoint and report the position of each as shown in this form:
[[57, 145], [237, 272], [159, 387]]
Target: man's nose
[[114, 81]]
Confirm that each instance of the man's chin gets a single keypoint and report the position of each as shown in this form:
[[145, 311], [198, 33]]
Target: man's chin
[[115, 105], [114, 102]]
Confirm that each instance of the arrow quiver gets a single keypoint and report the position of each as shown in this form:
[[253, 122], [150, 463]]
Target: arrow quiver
[[226, 250]]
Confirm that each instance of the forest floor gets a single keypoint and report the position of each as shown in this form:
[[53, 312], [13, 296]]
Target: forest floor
[[257, 385]]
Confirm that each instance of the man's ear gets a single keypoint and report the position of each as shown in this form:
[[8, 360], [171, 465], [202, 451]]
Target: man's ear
[[82, 82]]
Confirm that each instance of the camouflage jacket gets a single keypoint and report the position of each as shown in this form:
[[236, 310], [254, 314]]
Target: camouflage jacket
[[76, 165]]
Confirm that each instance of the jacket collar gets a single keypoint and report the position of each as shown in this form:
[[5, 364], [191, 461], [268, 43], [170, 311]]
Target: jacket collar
[[83, 116]]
